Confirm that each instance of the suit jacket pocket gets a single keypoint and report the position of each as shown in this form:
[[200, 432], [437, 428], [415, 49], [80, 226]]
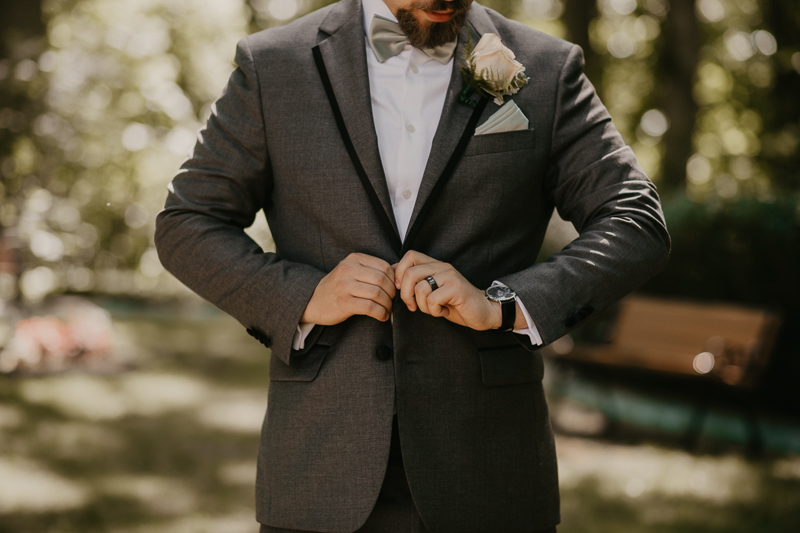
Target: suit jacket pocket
[[507, 141], [303, 367], [510, 365]]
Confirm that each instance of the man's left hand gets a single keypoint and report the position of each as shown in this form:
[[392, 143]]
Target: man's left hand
[[456, 299]]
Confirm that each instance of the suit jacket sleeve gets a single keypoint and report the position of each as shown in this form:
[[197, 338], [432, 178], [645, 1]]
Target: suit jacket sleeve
[[596, 183], [216, 194]]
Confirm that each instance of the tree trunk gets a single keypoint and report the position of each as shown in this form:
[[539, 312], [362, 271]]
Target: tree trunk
[[578, 15], [21, 19], [679, 58]]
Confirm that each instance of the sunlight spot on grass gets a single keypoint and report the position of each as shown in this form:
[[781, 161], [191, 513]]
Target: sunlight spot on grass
[[573, 417], [10, 417], [82, 396], [160, 495], [633, 470], [238, 413], [787, 468], [240, 522], [153, 394], [28, 487], [635, 487], [76, 440], [100, 398], [238, 473]]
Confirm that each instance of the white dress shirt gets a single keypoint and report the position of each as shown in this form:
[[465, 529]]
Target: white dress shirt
[[407, 93]]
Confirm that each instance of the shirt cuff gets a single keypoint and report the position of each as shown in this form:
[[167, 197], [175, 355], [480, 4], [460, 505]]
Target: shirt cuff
[[299, 340], [531, 331]]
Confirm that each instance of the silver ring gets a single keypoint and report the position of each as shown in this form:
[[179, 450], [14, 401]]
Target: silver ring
[[432, 283]]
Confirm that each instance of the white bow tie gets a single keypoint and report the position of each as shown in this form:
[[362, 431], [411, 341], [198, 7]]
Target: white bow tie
[[387, 40]]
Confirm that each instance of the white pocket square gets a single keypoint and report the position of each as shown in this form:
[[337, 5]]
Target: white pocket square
[[508, 118]]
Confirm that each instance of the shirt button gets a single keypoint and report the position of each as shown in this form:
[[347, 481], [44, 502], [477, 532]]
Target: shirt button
[[414, 69], [406, 194], [410, 128]]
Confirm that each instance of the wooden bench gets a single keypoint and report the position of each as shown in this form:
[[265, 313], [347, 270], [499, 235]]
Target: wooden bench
[[727, 346], [729, 343]]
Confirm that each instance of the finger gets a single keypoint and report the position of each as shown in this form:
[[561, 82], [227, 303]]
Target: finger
[[421, 291], [376, 263], [374, 277], [411, 281], [448, 294], [370, 270], [416, 274], [373, 293], [409, 260], [362, 306]]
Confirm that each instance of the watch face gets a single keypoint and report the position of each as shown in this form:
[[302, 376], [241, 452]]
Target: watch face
[[499, 293]]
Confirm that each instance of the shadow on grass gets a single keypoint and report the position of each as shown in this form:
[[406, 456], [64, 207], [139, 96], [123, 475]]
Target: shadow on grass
[[170, 446], [588, 508]]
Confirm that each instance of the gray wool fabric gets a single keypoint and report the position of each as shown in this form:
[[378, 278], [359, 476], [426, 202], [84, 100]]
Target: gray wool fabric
[[476, 441]]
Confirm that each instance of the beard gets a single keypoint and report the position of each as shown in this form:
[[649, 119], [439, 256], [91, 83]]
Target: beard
[[426, 33]]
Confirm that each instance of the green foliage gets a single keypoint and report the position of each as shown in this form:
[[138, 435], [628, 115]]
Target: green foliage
[[118, 93], [743, 251], [779, 105], [96, 116], [97, 112]]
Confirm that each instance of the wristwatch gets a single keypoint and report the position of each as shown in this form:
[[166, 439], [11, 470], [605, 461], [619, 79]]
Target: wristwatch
[[508, 305]]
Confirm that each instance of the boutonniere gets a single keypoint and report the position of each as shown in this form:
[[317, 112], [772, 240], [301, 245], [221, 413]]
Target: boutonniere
[[491, 68]]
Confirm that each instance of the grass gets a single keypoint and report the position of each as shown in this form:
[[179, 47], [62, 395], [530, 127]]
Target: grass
[[170, 445]]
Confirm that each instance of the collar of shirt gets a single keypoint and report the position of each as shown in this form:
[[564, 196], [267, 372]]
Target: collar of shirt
[[375, 7]]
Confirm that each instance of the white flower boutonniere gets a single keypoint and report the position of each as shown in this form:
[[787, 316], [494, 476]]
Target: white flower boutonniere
[[491, 67]]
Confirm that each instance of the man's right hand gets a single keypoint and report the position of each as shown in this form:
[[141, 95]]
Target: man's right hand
[[359, 285]]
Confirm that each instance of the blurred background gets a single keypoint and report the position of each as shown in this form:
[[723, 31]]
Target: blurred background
[[127, 404]]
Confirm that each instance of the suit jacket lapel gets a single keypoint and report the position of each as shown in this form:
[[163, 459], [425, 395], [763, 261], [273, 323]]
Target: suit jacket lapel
[[343, 54], [454, 119]]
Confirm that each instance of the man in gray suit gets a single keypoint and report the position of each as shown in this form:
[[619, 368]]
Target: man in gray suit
[[403, 305]]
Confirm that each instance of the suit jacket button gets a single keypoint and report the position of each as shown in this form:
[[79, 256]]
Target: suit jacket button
[[384, 353], [251, 332], [571, 321]]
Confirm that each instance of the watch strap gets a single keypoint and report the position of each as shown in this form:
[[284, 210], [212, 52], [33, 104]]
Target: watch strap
[[509, 310]]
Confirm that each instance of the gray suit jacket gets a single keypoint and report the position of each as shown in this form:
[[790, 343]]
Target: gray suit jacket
[[293, 135]]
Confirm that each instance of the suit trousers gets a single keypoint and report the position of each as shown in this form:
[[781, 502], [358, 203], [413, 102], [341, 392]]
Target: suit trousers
[[394, 512]]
